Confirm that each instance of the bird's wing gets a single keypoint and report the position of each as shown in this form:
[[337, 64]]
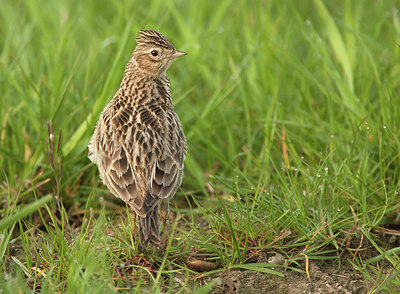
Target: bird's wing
[[112, 154], [167, 171]]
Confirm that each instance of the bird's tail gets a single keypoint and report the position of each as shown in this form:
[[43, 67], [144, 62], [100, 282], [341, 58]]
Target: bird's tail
[[148, 229]]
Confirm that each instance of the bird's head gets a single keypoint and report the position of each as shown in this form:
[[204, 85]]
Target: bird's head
[[154, 53]]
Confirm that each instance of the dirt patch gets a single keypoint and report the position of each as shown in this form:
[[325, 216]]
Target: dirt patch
[[325, 278]]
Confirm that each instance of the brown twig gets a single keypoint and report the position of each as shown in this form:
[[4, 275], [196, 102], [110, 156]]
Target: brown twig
[[53, 159]]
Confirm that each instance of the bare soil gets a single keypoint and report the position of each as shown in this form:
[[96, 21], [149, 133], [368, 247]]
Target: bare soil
[[324, 278]]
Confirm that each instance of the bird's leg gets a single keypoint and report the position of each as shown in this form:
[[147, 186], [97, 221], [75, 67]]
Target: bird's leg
[[134, 225], [141, 247], [164, 212]]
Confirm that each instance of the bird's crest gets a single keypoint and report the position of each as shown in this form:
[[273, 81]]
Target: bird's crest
[[152, 37]]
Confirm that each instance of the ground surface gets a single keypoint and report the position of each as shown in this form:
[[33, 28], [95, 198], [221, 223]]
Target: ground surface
[[324, 278]]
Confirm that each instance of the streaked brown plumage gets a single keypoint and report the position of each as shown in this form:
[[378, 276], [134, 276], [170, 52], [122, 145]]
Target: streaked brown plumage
[[138, 144]]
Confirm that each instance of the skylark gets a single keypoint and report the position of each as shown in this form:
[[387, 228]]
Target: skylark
[[138, 144]]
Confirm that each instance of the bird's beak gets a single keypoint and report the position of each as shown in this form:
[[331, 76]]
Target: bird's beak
[[177, 54]]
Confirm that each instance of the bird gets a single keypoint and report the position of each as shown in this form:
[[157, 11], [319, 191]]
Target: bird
[[138, 143]]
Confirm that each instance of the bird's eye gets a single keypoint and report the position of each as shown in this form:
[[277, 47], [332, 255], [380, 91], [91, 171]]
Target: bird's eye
[[154, 52]]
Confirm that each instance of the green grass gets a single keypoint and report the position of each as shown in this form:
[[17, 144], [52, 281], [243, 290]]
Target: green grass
[[291, 113]]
